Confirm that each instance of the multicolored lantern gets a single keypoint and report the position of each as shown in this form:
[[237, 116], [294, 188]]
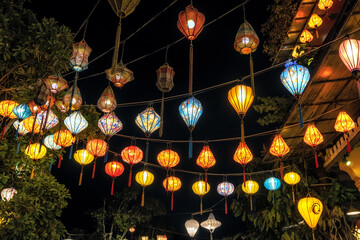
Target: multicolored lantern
[[295, 78], [292, 178], [313, 137], [107, 102], [325, 4], [22, 111], [148, 121], [83, 157], [192, 227], [31, 125], [72, 99], [306, 37], [63, 138], [278, 149], [168, 159], [109, 125], [144, 178], [35, 151], [75, 123], [344, 124], [272, 183], [243, 156], [7, 194], [131, 155], [6, 110], [121, 76], [79, 60], [201, 188], [225, 189], [55, 84], [172, 184], [114, 169], [206, 160], [97, 148], [47, 119], [314, 22], [310, 209], [191, 22], [250, 187]]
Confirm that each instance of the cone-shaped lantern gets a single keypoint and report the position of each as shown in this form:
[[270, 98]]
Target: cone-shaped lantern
[[206, 160], [109, 125], [131, 155], [83, 157], [243, 156], [200, 189], [315, 21], [310, 209], [79, 60], [225, 189], [313, 137], [114, 169], [279, 148], [74, 102], [121, 76], [97, 148], [55, 84], [344, 124], [168, 159], [292, 178], [172, 184], [192, 227], [144, 178], [63, 138], [107, 102], [250, 187]]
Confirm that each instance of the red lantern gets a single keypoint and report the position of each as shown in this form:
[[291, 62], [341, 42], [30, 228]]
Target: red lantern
[[114, 169], [206, 160], [191, 22], [168, 159], [279, 148], [97, 148], [172, 184], [131, 155], [313, 137], [243, 156]]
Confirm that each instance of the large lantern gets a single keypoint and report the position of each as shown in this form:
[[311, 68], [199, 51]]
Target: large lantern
[[47, 119], [295, 78], [79, 60], [63, 138], [35, 151], [148, 121], [22, 111], [131, 155], [7, 194], [190, 111], [109, 125], [206, 160], [211, 224], [172, 184], [310, 209], [243, 156], [278, 149], [325, 4], [192, 227], [168, 159], [55, 84], [75, 123], [83, 157], [225, 189], [200, 190], [144, 178], [114, 169], [31, 125], [344, 124], [107, 102], [72, 99], [121, 76], [313, 137], [306, 37], [97, 148], [292, 178], [6, 110], [250, 187], [190, 22], [315, 21]]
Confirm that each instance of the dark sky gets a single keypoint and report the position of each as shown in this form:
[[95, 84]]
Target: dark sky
[[215, 62]]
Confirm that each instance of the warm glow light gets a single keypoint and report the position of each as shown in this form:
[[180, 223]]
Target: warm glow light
[[144, 178], [211, 223], [241, 98], [109, 124], [55, 84], [199, 188], [148, 121], [97, 147], [349, 52], [192, 227], [190, 22], [315, 21], [279, 147], [49, 143], [246, 39], [297, 52], [325, 4], [121, 76], [172, 184], [310, 209], [243, 154], [107, 101], [306, 36], [35, 151], [19, 126], [83, 157], [114, 169], [6, 108], [168, 158], [206, 158], [31, 125], [132, 155], [8, 193], [250, 187], [292, 178], [79, 60], [313, 136], [344, 122], [63, 138]]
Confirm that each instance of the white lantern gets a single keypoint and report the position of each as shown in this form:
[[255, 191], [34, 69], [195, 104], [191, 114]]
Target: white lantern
[[211, 224], [191, 227], [8, 193]]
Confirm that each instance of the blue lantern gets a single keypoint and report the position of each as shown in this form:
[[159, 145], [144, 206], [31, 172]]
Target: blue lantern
[[148, 120], [190, 111], [272, 183], [295, 78], [22, 111], [75, 123]]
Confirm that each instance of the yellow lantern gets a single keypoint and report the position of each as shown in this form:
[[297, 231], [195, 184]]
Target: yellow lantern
[[31, 125], [6, 108], [201, 188], [144, 178], [292, 178], [83, 157], [297, 52], [325, 4], [250, 187], [306, 37], [315, 21], [310, 209], [35, 151]]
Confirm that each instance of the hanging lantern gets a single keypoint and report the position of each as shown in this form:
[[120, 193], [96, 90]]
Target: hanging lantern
[[35, 151], [168, 159], [114, 169], [49, 116], [297, 52], [63, 138], [250, 187], [292, 178], [131, 155], [7, 194], [107, 102], [225, 189], [49, 143], [83, 157], [325, 4], [200, 190], [211, 224], [295, 78], [148, 121], [344, 124], [121, 76], [172, 184], [132, 229], [31, 125], [79, 60], [306, 37], [206, 160], [314, 22], [192, 227], [61, 106], [49, 102], [75, 123], [34, 108], [19, 126], [243, 156], [144, 178], [191, 22], [272, 183], [74, 102], [313, 137], [55, 84], [310, 209], [6, 109], [97, 148], [165, 75], [22, 111], [278, 149], [109, 124]]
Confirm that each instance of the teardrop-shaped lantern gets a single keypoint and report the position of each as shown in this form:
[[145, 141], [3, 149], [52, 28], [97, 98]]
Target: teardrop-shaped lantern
[[243, 156], [148, 121], [272, 183], [121, 76], [206, 160], [315, 21], [114, 169], [76, 101], [292, 178], [83, 157], [144, 178], [107, 102], [191, 22], [325, 4], [278, 149], [310, 209], [225, 189], [172, 184], [313, 137], [246, 39], [306, 37], [192, 227], [131, 155], [109, 124], [22, 111], [97, 148], [55, 84], [200, 188], [49, 116], [250, 187], [79, 60], [344, 124]]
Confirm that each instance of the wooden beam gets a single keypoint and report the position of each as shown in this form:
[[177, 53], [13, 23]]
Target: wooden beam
[[332, 80]]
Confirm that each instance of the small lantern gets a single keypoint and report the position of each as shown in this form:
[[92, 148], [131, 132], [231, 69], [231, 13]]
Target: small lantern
[[225, 189], [35, 151], [148, 121], [246, 39], [144, 178], [109, 124], [161, 237], [206, 160], [243, 156], [63, 138], [191, 22], [7, 194], [75, 102], [192, 227], [325, 4], [131, 155], [200, 190], [278, 149], [314, 22], [121, 76], [250, 187], [6, 109], [168, 159], [344, 123], [132, 229], [22, 111], [211, 224], [313, 137], [306, 37], [310, 209], [114, 169], [292, 178], [83, 157], [61, 106], [297, 52], [55, 84], [31, 125], [49, 143], [79, 60], [272, 183], [107, 102], [97, 148], [172, 184], [51, 120]]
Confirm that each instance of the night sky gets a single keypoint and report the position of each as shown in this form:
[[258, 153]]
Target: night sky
[[215, 62]]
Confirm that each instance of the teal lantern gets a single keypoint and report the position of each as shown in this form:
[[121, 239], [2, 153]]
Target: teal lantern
[[272, 183], [75, 123], [22, 111]]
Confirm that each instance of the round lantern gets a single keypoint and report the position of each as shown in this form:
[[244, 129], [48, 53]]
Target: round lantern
[[200, 189], [55, 84], [131, 155], [310, 209], [325, 4], [225, 189], [79, 60], [97, 148], [206, 160], [144, 178], [121, 76], [63, 138], [6, 108], [83, 157], [192, 227], [109, 124], [22, 111], [250, 187], [306, 37], [47, 119], [114, 169], [8, 193], [313, 137], [292, 178], [31, 125], [132, 229], [172, 184], [107, 102], [148, 121], [243, 156], [35, 151], [314, 22], [168, 159], [190, 22], [72, 99], [279, 148], [344, 123], [272, 183]]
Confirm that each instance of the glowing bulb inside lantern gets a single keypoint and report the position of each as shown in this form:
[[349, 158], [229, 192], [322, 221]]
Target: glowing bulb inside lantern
[[245, 40], [73, 101], [348, 163], [191, 24], [35, 108], [118, 76], [145, 176], [54, 86], [108, 102]]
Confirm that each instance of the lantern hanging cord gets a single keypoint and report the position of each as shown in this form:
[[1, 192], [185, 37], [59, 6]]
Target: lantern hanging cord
[[244, 13], [86, 21], [166, 53], [122, 52]]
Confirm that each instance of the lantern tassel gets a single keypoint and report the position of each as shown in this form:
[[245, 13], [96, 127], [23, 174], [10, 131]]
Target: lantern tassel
[[252, 74], [244, 174], [281, 171], [316, 159], [313, 234], [162, 116], [201, 206], [172, 201], [190, 155], [93, 171], [32, 172], [130, 176], [317, 33], [51, 163], [293, 193], [205, 180], [112, 187], [300, 116], [81, 175], [226, 207], [18, 147], [143, 197], [348, 146], [116, 50], [60, 158], [251, 207], [71, 151]]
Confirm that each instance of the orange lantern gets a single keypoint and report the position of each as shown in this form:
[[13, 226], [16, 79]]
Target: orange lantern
[[201, 188], [97, 148], [55, 84], [107, 102], [83, 157], [114, 169], [325, 4], [344, 123], [313, 137], [206, 160], [306, 37], [172, 184], [31, 125], [6, 110], [61, 106], [168, 159], [279, 148], [243, 156], [315, 21], [190, 22], [63, 138], [131, 155], [79, 60]]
